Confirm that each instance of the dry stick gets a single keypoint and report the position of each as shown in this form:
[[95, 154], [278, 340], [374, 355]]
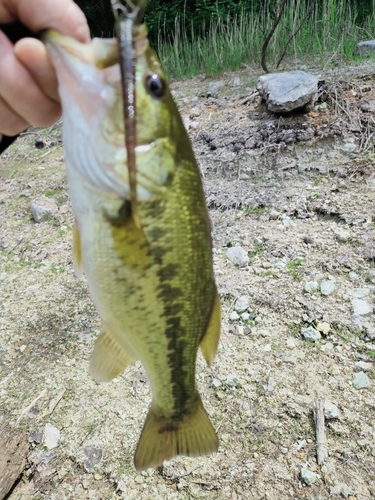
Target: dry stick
[[321, 440], [294, 34], [25, 410], [269, 36]]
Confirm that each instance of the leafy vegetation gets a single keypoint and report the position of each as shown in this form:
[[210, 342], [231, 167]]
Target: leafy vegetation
[[209, 36]]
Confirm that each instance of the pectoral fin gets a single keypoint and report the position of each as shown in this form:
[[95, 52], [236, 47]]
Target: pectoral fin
[[210, 339], [77, 251], [109, 358]]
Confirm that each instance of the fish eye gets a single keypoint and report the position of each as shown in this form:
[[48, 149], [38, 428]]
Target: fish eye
[[155, 86]]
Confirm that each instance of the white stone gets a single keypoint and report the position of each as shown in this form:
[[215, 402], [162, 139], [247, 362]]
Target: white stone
[[362, 366], [361, 308], [349, 147], [274, 214], [43, 208], [311, 334], [323, 327], [330, 410], [242, 303], [342, 236], [360, 380], [214, 87], [311, 286], [51, 436], [327, 287], [309, 477], [234, 316], [238, 256], [360, 293]]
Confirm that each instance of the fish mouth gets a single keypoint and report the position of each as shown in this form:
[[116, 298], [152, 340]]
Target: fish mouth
[[101, 53]]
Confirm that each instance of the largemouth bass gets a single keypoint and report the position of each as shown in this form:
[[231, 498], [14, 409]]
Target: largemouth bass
[[151, 282]]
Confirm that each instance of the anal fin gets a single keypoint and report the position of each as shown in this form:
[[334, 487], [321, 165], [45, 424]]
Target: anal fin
[[109, 358], [211, 337], [77, 251], [163, 438]]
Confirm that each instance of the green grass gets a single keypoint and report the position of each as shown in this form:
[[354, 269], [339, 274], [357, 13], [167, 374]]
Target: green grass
[[329, 33], [259, 210], [294, 329], [294, 266]]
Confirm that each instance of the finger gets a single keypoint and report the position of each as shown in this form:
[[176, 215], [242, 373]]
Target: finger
[[33, 55], [62, 15], [10, 122], [21, 92]]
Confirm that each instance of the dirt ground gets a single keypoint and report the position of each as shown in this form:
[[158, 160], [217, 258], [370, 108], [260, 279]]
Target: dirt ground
[[297, 194]]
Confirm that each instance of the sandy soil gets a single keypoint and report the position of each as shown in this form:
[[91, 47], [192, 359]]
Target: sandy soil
[[297, 194]]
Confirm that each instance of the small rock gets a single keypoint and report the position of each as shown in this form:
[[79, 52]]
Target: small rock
[[360, 380], [349, 147], [242, 303], [360, 293], [232, 380], [245, 316], [291, 343], [365, 48], [328, 346], [323, 327], [274, 214], [51, 436], [43, 208], [362, 366], [292, 360], [23, 347], [213, 88], [234, 316], [287, 221], [36, 437], [327, 287], [342, 236], [311, 286], [235, 82], [309, 477], [280, 264], [330, 410], [353, 276], [238, 256], [361, 308], [93, 454], [311, 334], [267, 348], [216, 383]]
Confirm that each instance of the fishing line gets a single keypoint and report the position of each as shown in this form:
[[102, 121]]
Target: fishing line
[[126, 18]]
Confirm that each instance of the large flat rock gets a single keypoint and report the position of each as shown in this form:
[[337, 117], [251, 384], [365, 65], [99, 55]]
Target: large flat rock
[[285, 92], [366, 48]]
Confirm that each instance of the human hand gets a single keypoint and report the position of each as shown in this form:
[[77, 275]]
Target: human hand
[[28, 84]]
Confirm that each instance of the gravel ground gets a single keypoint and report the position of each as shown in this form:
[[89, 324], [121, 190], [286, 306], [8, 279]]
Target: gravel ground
[[298, 322]]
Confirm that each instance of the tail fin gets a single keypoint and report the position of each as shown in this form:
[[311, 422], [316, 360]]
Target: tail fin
[[163, 438]]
